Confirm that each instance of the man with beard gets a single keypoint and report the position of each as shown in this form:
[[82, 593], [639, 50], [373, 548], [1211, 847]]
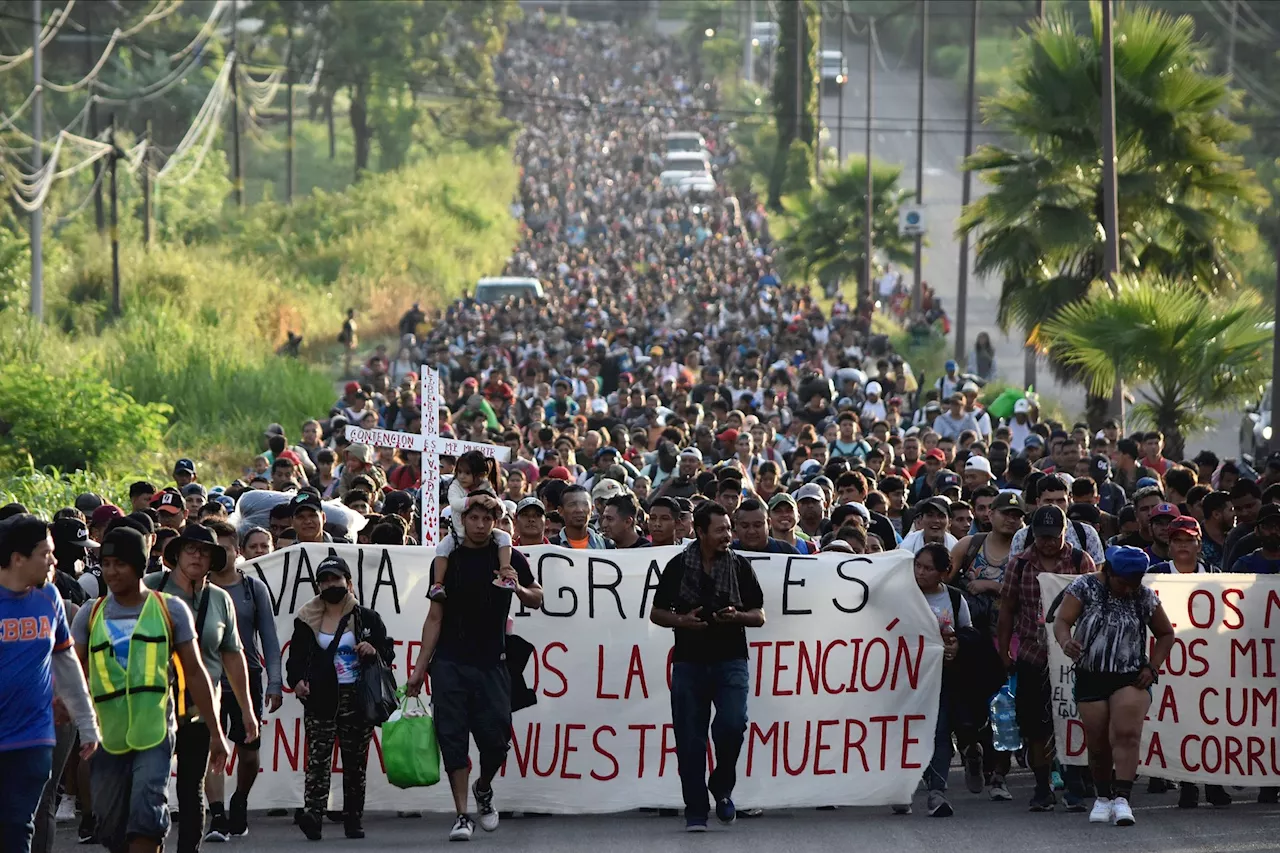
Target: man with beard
[[1246, 499], [983, 499], [1266, 559]]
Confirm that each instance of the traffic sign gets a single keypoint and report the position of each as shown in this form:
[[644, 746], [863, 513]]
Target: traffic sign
[[911, 221]]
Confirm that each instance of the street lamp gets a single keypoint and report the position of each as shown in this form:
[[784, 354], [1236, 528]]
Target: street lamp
[[710, 33]]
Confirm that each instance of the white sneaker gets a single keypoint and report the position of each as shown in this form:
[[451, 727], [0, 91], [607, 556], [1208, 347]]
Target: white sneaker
[[462, 829], [66, 810], [1102, 811], [1121, 814], [484, 807]]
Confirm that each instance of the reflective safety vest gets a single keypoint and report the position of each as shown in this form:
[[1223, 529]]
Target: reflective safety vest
[[133, 703]]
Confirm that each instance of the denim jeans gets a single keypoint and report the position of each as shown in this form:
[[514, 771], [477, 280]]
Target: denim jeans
[[937, 774], [23, 774], [695, 689]]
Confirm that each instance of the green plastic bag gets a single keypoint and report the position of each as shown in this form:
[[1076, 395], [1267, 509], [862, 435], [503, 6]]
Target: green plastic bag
[[409, 749], [1002, 406]]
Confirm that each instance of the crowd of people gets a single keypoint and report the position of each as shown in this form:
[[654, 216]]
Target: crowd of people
[[671, 390]]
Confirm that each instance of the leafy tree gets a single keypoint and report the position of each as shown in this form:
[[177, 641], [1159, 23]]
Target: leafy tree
[[827, 234], [793, 34], [1185, 352], [1182, 195]]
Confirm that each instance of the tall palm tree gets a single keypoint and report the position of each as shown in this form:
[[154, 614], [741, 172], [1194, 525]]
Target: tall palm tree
[[1183, 198], [826, 226], [1183, 351]]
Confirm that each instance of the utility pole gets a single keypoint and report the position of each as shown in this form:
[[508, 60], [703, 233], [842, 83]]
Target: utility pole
[[99, 217], [1110, 202], [966, 189], [869, 214], [235, 108], [917, 292], [748, 49], [1040, 9], [115, 226], [1231, 39], [840, 100], [37, 160], [146, 187]]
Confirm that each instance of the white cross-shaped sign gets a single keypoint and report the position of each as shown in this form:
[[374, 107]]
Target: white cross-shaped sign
[[432, 446]]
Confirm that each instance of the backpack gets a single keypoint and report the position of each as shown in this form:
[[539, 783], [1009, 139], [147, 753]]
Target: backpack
[[976, 542]]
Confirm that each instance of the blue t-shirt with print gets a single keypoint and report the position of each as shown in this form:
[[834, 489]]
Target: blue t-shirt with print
[[33, 625]]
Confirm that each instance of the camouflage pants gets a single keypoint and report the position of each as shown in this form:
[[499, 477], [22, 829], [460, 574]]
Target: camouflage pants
[[352, 733]]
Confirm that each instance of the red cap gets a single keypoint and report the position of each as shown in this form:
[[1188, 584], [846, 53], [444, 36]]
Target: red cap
[[1185, 525], [1165, 510], [730, 435], [936, 454], [560, 473], [351, 387], [104, 514]]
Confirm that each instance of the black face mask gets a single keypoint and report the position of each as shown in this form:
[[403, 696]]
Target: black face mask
[[333, 594], [1269, 542]]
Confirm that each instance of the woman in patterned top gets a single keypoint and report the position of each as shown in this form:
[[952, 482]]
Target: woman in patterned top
[[1110, 612]]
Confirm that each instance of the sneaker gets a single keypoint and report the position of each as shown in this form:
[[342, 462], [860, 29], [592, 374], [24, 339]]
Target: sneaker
[[484, 807], [238, 816], [973, 770], [1188, 795], [462, 829], [1158, 786], [1268, 796], [1217, 796], [750, 812], [353, 827], [938, 805], [725, 811], [1074, 803], [437, 593], [1121, 814], [66, 810], [218, 830], [509, 584], [999, 791], [1043, 802], [695, 824], [1055, 781], [310, 824], [1101, 812], [903, 808], [87, 831]]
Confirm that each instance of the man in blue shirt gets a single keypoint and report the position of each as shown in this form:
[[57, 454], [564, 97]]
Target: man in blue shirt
[[1265, 560], [35, 653], [752, 525]]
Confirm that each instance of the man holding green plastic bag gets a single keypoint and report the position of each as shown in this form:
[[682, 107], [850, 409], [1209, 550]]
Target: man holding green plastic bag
[[410, 753]]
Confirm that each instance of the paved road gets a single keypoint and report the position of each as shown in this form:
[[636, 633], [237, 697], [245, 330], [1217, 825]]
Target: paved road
[[977, 825]]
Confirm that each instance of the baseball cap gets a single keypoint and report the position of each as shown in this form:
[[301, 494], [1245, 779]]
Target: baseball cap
[[363, 452], [306, 500], [781, 498], [559, 473], [1048, 521], [1100, 468], [530, 503], [333, 565], [1165, 510], [194, 489], [606, 489], [874, 388], [692, 453], [1088, 513], [1022, 406], [607, 450], [397, 502], [1268, 512], [184, 465], [935, 453], [950, 365], [947, 480], [1008, 502], [1146, 483], [978, 463], [810, 491], [937, 504], [1033, 439], [1184, 525], [226, 502], [72, 531], [104, 514], [273, 429], [351, 387], [729, 435], [1128, 562]]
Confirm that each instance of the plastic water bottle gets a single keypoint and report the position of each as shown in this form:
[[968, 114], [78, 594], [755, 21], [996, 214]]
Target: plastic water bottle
[[1004, 719]]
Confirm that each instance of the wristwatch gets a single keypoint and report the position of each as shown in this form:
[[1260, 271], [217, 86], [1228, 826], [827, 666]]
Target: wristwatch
[[1155, 676]]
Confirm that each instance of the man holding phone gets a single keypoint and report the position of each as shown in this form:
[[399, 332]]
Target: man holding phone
[[708, 595]]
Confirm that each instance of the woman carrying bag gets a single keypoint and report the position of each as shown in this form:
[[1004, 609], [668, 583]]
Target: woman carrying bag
[[334, 639]]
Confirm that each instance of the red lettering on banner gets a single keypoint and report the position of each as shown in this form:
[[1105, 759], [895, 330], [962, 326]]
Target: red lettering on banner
[[553, 670], [1226, 603], [850, 745], [876, 642], [1204, 715], [282, 741], [902, 662], [765, 737], [569, 749], [600, 750], [1207, 597], [909, 741], [1269, 643], [537, 748], [644, 729], [1256, 748], [786, 749], [522, 755], [884, 737], [1075, 738], [1155, 751], [819, 746], [671, 662], [856, 645], [808, 665], [779, 667], [1168, 702], [635, 670], [826, 654], [667, 730], [1249, 649], [1234, 747], [1182, 753], [758, 647], [1182, 655], [1273, 600], [600, 694]]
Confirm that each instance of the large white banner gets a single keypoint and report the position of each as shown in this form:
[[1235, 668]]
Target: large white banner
[[1214, 712], [845, 678]]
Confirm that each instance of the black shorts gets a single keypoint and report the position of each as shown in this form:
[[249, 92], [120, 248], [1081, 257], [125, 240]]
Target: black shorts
[[471, 703], [232, 721], [1031, 702], [1100, 686]]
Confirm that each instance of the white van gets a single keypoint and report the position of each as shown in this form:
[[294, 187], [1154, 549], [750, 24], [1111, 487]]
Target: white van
[[692, 142], [835, 71], [764, 34], [501, 288]]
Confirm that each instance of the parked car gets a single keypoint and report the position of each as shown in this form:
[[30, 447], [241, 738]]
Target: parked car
[[833, 67], [1255, 428], [764, 34], [499, 289]]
